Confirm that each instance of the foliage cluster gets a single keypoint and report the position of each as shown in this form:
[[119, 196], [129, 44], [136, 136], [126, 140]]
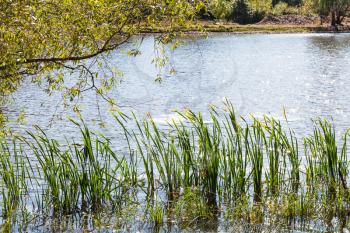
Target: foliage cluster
[[251, 11], [37, 37]]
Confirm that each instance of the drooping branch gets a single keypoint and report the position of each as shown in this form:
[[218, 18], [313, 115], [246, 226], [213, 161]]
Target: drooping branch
[[105, 48], [38, 37]]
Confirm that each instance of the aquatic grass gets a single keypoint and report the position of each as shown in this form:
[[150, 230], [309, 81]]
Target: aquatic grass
[[290, 142], [208, 154], [275, 154], [254, 144], [142, 142], [235, 161], [156, 212], [187, 154], [14, 176], [80, 177], [165, 157], [325, 163], [191, 207], [199, 165]]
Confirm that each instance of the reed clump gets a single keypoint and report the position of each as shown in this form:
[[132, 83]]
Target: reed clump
[[250, 168]]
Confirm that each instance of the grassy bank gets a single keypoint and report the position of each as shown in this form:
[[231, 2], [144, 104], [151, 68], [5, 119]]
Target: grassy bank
[[212, 26], [192, 171]]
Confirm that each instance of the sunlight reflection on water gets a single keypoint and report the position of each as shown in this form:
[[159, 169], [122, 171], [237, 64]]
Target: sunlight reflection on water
[[307, 74]]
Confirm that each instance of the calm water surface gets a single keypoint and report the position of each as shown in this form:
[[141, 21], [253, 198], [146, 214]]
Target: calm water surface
[[307, 74]]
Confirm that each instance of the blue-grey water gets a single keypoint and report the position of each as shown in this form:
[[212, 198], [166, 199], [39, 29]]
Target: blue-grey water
[[305, 74]]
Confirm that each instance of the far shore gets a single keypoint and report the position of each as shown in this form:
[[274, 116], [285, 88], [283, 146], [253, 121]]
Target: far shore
[[261, 27]]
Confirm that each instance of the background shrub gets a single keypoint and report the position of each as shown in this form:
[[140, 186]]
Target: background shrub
[[283, 8], [241, 13]]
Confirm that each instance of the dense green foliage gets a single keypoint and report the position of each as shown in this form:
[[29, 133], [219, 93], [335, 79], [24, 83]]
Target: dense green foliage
[[37, 37], [241, 13], [336, 8], [251, 11]]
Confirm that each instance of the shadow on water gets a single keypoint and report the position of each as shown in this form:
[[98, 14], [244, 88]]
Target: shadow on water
[[333, 44], [324, 86]]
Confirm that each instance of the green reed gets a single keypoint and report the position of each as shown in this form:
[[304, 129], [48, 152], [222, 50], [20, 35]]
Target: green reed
[[14, 176], [235, 161], [80, 177], [216, 161], [255, 141], [209, 153], [325, 162]]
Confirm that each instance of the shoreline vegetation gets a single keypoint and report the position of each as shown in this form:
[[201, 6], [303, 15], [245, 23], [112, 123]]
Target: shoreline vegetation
[[211, 26], [193, 171]]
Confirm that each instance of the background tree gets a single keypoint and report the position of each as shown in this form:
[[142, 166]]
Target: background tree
[[241, 12], [337, 9]]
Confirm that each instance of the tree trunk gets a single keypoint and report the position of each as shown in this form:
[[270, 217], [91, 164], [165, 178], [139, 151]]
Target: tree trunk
[[339, 18], [321, 20], [333, 18], [274, 2]]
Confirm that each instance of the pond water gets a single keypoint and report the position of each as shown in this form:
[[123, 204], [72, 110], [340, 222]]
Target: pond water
[[307, 74]]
